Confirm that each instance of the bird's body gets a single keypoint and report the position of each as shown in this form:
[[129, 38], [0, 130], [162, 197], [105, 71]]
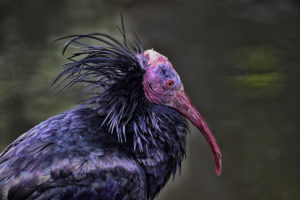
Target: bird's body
[[69, 156], [123, 142]]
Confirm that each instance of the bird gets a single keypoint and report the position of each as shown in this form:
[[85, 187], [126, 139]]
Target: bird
[[123, 141]]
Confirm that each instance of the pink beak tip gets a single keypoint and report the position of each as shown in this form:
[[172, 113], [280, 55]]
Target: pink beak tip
[[218, 160], [219, 169]]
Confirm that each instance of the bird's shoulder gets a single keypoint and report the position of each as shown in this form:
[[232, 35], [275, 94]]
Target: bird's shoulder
[[69, 155]]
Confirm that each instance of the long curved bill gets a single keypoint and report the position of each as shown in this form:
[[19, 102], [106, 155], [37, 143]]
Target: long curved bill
[[182, 103]]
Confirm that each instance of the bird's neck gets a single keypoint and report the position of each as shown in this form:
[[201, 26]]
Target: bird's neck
[[141, 123], [164, 147]]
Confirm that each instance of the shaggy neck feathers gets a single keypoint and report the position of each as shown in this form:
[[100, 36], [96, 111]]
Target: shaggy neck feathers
[[113, 76]]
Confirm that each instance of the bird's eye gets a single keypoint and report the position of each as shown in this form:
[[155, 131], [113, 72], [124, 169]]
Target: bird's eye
[[169, 83]]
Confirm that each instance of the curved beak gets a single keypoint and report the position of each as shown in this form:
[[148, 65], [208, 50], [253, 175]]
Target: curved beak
[[182, 103]]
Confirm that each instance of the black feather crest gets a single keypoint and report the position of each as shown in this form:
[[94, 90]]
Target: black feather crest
[[113, 74]]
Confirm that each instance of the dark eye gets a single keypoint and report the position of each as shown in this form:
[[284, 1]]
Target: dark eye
[[169, 83]]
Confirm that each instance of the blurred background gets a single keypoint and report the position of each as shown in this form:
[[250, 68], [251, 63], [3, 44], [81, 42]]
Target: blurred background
[[239, 61]]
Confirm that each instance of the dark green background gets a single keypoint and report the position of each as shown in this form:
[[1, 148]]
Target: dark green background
[[239, 61]]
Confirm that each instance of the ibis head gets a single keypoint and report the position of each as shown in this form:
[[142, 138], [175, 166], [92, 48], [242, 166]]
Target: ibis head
[[162, 85]]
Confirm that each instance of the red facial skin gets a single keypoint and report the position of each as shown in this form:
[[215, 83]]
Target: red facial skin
[[159, 72]]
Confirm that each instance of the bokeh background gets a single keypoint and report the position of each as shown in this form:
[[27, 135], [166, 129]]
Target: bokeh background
[[239, 61]]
